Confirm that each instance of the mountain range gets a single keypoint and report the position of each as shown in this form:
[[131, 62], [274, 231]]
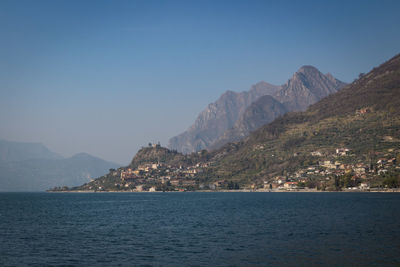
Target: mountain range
[[363, 117], [234, 115], [349, 138], [33, 167], [20, 151], [218, 117]]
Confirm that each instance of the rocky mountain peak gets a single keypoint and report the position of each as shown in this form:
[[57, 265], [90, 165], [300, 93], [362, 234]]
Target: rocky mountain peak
[[308, 69], [307, 86], [218, 117], [307, 74]]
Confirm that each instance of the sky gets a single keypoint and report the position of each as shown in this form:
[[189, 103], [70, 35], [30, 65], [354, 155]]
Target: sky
[[107, 77]]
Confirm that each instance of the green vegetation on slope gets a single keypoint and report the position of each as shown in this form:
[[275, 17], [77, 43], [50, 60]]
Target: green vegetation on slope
[[362, 117]]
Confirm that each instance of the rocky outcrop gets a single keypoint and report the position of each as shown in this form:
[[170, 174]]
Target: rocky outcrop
[[307, 86], [262, 111], [218, 117]]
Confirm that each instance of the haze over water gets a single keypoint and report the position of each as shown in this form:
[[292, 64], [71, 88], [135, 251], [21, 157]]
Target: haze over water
[[200, 229]]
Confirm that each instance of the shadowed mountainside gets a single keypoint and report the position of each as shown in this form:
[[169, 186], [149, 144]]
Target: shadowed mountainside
[[235, 115], [218, 117], [262, 111]]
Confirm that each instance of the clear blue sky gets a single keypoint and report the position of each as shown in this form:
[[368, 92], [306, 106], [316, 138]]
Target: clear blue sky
[[106, 77]]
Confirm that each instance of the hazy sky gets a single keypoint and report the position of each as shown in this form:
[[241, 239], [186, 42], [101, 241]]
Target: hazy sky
[[106, 77]]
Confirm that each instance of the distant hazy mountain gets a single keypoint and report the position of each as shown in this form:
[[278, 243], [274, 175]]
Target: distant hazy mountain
[[40, 169], [227, 119], [18, 151], [218, 117]]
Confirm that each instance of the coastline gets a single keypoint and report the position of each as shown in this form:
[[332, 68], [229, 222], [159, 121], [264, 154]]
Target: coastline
[[394, 190]]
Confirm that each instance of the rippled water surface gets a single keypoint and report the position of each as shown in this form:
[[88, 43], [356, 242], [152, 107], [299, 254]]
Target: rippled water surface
[[200, 229]]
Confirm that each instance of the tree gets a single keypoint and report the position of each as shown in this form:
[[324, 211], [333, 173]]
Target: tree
[[347, 182], [231, 185], [311, 183], [391, 181], [236, 186]]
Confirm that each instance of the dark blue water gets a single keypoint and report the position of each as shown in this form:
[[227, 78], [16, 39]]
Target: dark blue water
[[200, 229]]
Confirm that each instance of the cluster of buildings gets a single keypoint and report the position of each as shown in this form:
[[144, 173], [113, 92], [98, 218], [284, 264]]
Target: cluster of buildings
[[152, 174], [360, 173], [328, 168]]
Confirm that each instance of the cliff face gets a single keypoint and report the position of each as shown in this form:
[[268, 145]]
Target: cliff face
[[307, 86], [228, 119], [218, 117], [264, 110]]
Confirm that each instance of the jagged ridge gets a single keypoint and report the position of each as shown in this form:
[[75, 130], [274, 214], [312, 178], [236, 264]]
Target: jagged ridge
[[218, 117], [229, 123]]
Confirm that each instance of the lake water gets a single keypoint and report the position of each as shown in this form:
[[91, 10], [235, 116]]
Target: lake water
[[200, 229]]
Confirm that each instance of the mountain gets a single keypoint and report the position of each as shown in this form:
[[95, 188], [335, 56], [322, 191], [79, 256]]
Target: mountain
[[218, 117], [260, 112], [350, 138], [363, 117], [307, 86], [40, 169], [227, 119], [18, 151]]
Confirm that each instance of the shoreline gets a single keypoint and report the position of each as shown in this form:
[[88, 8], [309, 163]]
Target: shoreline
[[396, 190]]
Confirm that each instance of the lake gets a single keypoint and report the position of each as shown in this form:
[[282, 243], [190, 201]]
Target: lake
[[200, 229]]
